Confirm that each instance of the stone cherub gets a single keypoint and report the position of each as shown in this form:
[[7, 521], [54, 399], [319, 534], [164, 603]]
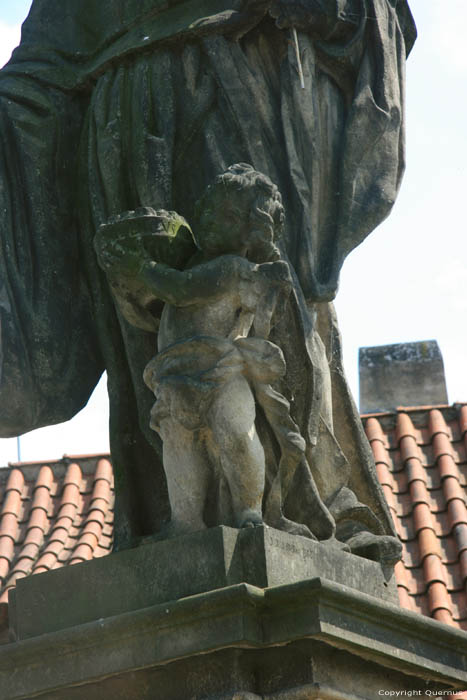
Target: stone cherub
[[234, 451], [214, 362]]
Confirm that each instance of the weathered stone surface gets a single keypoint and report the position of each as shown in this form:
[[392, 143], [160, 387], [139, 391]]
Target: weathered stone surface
[[207, 560], [231, 444], [305, 640], [161, 98], [216, 374]]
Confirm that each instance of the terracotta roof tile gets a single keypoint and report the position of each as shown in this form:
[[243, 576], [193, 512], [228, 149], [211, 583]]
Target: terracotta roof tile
[[460, 534], [45, 479], [423, 518], [38, 520], [457, 512], [459, 607], [59, 534], [415, 471], [374, 431], [424, 450], [452, 489], [30, 551], [101, 504], [6, 548], [101, 491], [15, 481], [102, 551], [54, 547], [70, 495], [384, 475], [420, 604], [12, 503], [67, 511], [9, 525], [437, 424], [444, 616], [428, 544], [104, 471], [389, 496], [41, 499], [74, 475], [433, 570], [93, 527], [4, 570]]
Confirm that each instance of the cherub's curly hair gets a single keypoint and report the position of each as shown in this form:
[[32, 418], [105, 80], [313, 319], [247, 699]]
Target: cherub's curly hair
[[264, 207]]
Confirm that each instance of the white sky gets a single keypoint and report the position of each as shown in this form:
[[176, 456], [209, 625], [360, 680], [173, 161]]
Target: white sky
[[408, 281]]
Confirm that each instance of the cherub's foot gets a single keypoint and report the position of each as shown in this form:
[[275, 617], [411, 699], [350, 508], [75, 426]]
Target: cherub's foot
[[249, 518], [293, 528], [382, 548]]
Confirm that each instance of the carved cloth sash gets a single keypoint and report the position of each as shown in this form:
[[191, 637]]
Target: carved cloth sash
[[187, 376]]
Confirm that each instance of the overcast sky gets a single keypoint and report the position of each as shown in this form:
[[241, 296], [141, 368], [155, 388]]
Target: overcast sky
[[408, 281]]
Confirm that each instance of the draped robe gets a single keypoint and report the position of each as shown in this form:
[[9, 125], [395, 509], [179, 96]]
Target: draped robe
[[108, 106]]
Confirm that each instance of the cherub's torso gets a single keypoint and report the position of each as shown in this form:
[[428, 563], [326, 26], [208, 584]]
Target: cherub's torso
[[222, 317]]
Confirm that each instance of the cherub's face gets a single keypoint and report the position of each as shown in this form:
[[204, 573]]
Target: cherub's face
[[224, 224]]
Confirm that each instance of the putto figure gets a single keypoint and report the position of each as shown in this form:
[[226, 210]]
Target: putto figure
[[214, 358], [207, 368], [217, 378]]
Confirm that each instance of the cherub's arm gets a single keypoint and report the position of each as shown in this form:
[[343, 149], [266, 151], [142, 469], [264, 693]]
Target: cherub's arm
[[196, 285], [135, 276], [129, 256], [275, 293]]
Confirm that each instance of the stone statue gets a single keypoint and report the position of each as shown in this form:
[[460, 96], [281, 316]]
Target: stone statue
[[112, 107], [215, 362]]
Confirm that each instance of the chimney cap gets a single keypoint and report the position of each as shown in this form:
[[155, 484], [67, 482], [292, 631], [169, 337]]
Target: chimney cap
[[401, 374]]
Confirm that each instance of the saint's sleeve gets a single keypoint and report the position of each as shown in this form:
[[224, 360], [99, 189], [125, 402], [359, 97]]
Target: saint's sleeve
[[49, 359], [372, 159]]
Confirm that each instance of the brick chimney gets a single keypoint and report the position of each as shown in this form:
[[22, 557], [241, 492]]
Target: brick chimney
[[403, 374]]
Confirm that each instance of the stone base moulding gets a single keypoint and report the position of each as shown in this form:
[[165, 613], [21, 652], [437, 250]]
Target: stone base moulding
[[311, 639], [222, 614], [184, 566]]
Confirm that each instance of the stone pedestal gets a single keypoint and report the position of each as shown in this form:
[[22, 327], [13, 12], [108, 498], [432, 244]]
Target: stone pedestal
[[146, 625]]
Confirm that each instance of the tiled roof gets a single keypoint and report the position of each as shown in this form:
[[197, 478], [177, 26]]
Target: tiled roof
[[421, 461], [52, 515]]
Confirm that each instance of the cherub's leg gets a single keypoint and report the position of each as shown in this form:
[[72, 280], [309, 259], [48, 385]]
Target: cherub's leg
[[235, 443], [187, 470]]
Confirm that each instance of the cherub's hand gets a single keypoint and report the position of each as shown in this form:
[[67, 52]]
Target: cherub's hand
[[224, 268], [317, 16], [277, 273], [271, 274], [261, 284]]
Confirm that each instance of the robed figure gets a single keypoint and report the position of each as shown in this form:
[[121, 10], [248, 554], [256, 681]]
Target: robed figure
[[110, 106]]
